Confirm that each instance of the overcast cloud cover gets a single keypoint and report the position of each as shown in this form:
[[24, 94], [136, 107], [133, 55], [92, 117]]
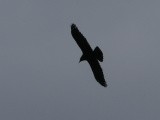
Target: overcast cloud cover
[[41, 79]]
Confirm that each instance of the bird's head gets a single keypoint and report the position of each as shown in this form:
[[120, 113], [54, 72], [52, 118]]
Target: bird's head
[[82, 58]]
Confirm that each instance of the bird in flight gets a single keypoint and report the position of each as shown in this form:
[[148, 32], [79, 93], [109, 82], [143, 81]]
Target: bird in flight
[[91, 56]]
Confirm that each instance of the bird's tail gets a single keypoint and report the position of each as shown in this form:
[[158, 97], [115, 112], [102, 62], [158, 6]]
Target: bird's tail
[[98, 53]]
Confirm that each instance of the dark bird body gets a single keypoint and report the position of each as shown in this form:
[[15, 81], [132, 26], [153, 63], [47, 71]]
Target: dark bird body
[[89, 55]]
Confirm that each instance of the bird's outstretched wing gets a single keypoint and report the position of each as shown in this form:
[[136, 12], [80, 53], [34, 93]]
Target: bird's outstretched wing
[[80, 39], [97, 71]]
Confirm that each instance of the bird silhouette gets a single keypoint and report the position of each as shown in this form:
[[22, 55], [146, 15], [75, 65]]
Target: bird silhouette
[[91, 56]]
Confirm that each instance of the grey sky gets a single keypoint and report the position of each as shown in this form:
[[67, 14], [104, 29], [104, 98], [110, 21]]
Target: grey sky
[[41, 79]]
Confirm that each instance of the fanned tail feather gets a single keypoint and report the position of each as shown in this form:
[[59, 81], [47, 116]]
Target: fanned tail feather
[[98, 53]]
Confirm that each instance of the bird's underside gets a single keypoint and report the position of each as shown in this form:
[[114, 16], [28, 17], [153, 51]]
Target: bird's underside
[[89, 55]]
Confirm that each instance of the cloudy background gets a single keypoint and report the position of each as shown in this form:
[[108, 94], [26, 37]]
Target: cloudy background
[[41, 79]]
